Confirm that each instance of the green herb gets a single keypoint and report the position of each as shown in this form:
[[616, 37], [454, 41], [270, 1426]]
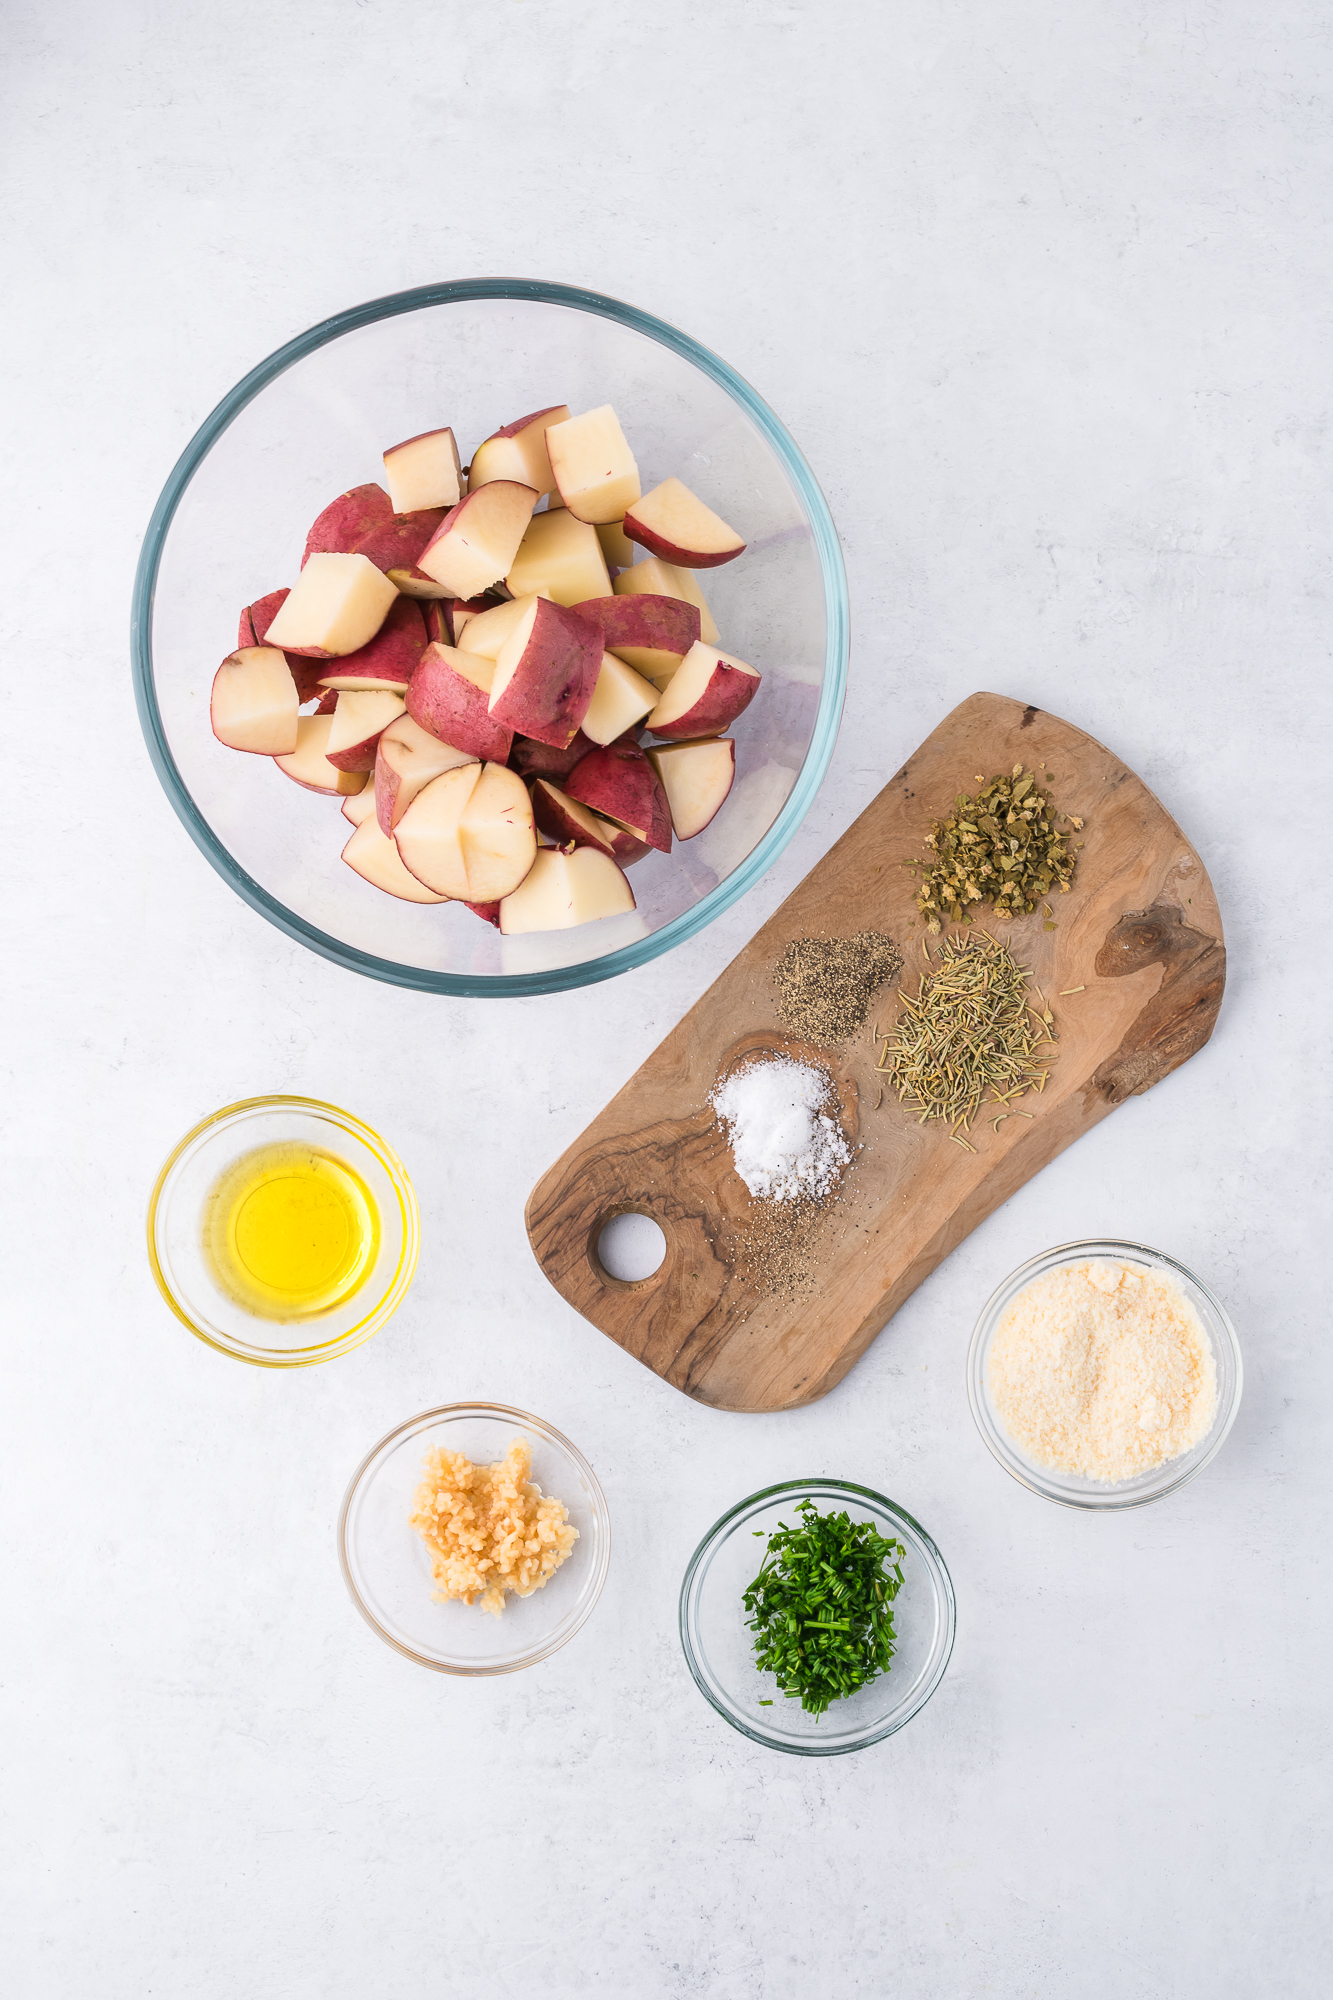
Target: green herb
[[969, 1029], [1001, 847], [820, 1606]]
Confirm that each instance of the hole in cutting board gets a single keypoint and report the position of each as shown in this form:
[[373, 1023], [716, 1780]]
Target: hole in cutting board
[[631, 1247]]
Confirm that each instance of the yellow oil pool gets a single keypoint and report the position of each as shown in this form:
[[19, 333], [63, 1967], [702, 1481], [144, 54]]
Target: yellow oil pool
[[290, 1232]]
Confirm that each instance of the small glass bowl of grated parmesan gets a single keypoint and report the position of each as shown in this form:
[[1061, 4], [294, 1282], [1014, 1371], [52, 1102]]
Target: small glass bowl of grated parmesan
[[1104, 1374], [527, 1484]]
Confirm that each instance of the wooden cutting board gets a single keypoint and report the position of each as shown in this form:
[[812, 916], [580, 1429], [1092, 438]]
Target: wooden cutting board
[[1139, 931]]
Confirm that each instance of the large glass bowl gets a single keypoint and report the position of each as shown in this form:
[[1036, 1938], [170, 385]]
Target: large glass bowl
[[719, 1647], [1069, 1489], [387, 1570], [312, 420]]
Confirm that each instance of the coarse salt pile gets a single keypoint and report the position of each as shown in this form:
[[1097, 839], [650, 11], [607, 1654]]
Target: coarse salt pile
[[785, 1145], [1103, 1370]]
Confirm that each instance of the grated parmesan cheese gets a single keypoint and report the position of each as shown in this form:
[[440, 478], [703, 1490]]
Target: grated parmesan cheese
[[1104, 1370]]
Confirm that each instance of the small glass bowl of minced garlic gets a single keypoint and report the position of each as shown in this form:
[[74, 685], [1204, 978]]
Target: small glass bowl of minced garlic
[[283, 1231], [1104, 1374]]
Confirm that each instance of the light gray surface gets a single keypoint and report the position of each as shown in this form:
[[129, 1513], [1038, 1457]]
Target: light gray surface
[[1042, 294]]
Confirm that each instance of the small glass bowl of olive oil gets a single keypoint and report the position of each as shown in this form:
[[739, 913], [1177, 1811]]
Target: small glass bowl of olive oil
[[283, 1231]]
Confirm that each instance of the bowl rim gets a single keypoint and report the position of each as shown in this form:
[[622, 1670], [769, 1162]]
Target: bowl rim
[[940, 1578], [390, 1298], [837, 641], [503, 1412], [1051, 1485]]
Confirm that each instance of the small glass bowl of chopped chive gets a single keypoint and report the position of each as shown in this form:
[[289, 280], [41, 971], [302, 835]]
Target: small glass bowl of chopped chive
[[817, 1617], [1103, 1374]]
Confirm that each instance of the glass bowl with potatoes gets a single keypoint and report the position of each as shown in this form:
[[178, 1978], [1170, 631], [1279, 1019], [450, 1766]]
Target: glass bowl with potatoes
[[491, 637]]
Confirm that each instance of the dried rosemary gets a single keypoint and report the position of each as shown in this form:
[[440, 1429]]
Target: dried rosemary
[[970, 1029], [1001, 847]]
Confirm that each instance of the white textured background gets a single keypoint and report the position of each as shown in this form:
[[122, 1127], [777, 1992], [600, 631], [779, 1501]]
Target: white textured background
[[1042, 292]]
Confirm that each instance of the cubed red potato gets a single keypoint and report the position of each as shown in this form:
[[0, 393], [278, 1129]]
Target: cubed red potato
[[565, 887], [565, 820], [594, 468], [543, 760], [253, 631], [395, 547], [560, 556], [618, 782], [336, 606], [673, 523], [649, 632], [664, 579], [257, 617], [345, 520], [390, 659], [620, 699], [518, 452], [359, 720], [697, 778], [461, 611], [477, 540], [487, 632], [449, 695], [617, 547], [407, 758], [546, 673], [360, 805], [469, 834], [254, 702], [423, 471], [488, 912], [375, 857], [429, 833], [704, 696], [309, 765], [499, 839]]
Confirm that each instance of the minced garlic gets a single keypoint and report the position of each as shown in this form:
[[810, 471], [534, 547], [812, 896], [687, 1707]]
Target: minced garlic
[[1104, 1370], [487, 1530]]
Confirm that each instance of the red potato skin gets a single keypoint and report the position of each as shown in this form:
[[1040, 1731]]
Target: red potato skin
[[551, 700], [671, 552], [488, 912], [512, 430], [328, 701], [543, 760], [255, 621], [386, 783], [727, 695], [620, 783], [643, 620], [257, 617], [452, 708], [625, 848], [398, 542], [392, 654], [361, 756], [346, 520]]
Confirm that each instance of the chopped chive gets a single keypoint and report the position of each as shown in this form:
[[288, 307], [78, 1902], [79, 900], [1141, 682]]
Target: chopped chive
[[827, 1560]]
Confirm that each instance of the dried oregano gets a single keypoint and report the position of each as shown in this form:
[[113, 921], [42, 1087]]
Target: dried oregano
[[1001, 847]]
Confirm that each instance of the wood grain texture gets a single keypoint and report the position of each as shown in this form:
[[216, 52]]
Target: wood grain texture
[[1139, 931]]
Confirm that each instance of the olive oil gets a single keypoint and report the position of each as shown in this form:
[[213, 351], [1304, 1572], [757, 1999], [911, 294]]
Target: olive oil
[[290, 1232]]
